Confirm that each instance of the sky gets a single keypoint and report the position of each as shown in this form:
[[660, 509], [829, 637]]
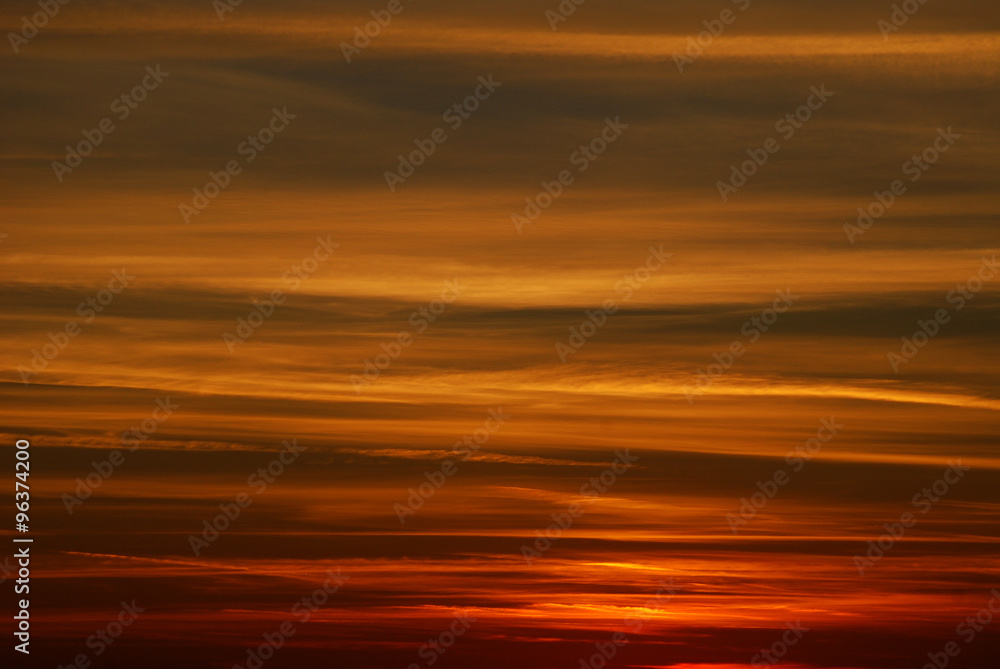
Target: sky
[[628, 334]]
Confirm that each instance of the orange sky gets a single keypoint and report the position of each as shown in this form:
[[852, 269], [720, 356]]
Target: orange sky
[[642, 381]]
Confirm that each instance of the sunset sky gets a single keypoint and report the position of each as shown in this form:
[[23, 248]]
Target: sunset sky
[[588, 169]]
